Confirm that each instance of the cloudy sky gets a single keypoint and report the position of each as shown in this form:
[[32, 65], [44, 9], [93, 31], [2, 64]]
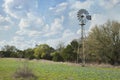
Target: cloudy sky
[[24, 23]]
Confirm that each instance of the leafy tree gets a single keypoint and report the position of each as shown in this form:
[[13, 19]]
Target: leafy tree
[[60, 47], [104, 42], [2, 53], [43, 51], [76, 45], [9, 51], [29, 53], [56, 56], [20, 53], [68, 54]]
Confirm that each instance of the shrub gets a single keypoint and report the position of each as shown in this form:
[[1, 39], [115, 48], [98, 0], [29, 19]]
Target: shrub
[[56, 56], [25, 72]]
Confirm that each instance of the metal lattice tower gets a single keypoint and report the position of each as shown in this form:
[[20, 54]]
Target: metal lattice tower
[[83, 17]]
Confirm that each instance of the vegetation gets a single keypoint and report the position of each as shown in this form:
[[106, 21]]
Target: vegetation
[[101, 46], [56, 56], [43, 51], [103, 43], [68, 54], [46, 70], [25, 72]]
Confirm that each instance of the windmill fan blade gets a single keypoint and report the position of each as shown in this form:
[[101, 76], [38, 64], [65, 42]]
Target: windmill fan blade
[[82, 14], [83, 11], [88, 17]]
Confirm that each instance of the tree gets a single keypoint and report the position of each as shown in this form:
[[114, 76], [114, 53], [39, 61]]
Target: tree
[[68, 54], [76, 49], [60, 47], [2, 53], [9, 51], [104, 42], [56, 56], [43, 51], [75, 45], [29, 53]]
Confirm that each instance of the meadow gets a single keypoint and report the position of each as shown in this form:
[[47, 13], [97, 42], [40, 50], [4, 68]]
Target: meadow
[[47, 70]]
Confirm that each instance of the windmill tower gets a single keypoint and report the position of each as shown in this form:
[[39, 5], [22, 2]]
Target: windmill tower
[[83, 17]]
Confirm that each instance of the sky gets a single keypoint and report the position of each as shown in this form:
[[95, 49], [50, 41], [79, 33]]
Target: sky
[[25, 23]]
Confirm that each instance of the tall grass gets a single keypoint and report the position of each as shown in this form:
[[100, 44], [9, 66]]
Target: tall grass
[[46, 70], [25, 72]]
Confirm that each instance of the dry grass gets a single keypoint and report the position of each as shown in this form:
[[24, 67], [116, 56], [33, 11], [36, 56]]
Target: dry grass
[[78, 64], [49, 70], [25, 72]]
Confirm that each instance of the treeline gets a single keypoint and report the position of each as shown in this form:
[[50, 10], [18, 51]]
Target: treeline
[[102, 45], [42, 51]]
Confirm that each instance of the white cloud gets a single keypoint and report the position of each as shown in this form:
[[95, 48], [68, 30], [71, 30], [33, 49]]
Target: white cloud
[[30, 33], [19, 42], [111, 13], [31, 25], [31, 21], [5, 19], [3, 43], [5, 23], [66, 38], [55, 27], [22, 32], [6, 28], [23, 23], [109, 3], [18, 38], [34, 33], [50, 33], [19, 8], [76, 5], [59, 8], [98, 19], [57, 24], [22, 44], [34, 26], [26, 19], [67, 33]]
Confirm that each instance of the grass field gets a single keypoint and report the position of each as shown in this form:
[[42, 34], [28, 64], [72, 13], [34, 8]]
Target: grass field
[[46, 70]]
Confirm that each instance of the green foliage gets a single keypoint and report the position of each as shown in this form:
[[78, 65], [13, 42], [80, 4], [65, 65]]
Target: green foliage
[[75, 45], [25, 73], [60, 47], [20, 54], [46, 70], [56, 56], [43, 51], [68, 54], [29, 53], [104, 42], [2, 53], [9, 51], [101, 45]]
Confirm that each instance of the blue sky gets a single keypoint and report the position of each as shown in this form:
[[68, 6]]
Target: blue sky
[[25, 23]]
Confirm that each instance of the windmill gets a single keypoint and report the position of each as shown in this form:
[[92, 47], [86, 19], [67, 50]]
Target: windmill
[[83, 17]]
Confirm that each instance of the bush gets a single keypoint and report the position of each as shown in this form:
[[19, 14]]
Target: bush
[[25, 72], [1, 53], [68, 54], [28, 53], [56, 56]]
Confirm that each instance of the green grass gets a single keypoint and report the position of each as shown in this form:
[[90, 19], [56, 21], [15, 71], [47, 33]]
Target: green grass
[[46, 70]]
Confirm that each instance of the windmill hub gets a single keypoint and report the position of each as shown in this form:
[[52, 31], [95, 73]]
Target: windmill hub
[[83, 16]]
